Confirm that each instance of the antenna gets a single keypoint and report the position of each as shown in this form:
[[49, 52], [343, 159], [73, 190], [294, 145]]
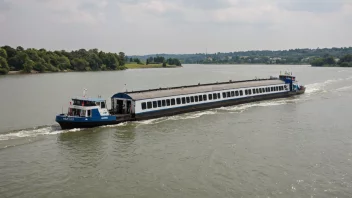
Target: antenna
[[84, 92]]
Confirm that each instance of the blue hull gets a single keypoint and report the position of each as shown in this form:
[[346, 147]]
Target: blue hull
[[69, 122], [74, 125]]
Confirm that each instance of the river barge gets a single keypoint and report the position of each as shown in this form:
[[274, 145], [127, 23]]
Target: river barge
[[147, 104]]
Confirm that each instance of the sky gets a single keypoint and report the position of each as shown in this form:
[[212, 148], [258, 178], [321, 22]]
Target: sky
[[139, 27]]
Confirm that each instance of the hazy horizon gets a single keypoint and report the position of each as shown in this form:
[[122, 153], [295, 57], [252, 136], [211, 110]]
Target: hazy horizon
[[142, 27]]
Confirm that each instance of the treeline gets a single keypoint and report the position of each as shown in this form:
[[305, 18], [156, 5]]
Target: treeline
[[28, 60], [162, 60], [330, 61], [292, 56]]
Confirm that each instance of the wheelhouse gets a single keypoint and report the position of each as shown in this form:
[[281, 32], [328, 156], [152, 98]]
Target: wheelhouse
[[84, 107]]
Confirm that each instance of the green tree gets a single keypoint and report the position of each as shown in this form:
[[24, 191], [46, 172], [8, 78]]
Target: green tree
[[28, 66], [345, 61], [79, 64], [3, 53], [63, 63], [18, 60], [94, 61], [111, 61], [11, 52], [330, 60], [317, 62], [103, 67], [39, 66], [121, 59], [19, 48], [137, 60], [4, 68], [164, 64]]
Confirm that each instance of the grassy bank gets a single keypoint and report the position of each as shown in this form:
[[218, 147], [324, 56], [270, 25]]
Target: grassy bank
[[143, 66]]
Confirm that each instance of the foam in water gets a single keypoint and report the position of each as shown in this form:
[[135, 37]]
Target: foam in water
[[51, 130], [115, 125], [344, 88], [243, 107], [320, 87], [177, 117]]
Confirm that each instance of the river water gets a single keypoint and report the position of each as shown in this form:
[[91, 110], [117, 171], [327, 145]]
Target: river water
[[294, 147]]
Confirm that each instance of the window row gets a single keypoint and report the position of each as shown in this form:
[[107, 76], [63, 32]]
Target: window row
[[200, 98], [264, 90], [173, 101]]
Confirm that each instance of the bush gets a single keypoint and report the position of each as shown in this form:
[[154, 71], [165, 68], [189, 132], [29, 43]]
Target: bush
[[3, 71]]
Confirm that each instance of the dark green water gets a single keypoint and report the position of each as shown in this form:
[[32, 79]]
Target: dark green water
[[294, 147]]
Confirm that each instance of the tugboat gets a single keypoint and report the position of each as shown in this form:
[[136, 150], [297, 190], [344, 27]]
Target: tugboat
[[87, 113], [147, 104]]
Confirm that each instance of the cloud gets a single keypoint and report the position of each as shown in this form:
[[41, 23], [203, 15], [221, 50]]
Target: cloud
[[4, 5], [313, 5], [180, 26], [65, 11]]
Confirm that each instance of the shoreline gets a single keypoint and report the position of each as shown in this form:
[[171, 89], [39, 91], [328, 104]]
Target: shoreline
[[11, 73]]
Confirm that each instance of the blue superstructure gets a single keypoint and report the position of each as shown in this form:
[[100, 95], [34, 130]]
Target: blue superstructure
[[86, 112]]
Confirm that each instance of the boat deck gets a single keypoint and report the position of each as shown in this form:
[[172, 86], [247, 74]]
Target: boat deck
[[176, 91]]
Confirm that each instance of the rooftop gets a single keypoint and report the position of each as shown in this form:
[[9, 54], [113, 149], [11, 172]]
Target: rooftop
[[200, 88], [89, 99]]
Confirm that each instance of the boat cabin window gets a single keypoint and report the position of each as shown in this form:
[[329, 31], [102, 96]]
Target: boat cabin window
[[163, 102], [263, 90], [210, 97], [205, 97], [149, 105], [103, 105], [188, 100], [78, 112], [250, 92], [83, 103], [200, 98], [271, 88], [155, 104], [253, 91], [196, 98], [232, 93], [168, 102], [192, 99], [223, 95], [159, 103], [144, 105], [215, 96], [173, 102], [241, 93], [89, 113], [183, 100], [178, 100]]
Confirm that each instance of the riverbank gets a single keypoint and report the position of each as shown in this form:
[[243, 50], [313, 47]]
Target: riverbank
[[127, 66], [143, 66]]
